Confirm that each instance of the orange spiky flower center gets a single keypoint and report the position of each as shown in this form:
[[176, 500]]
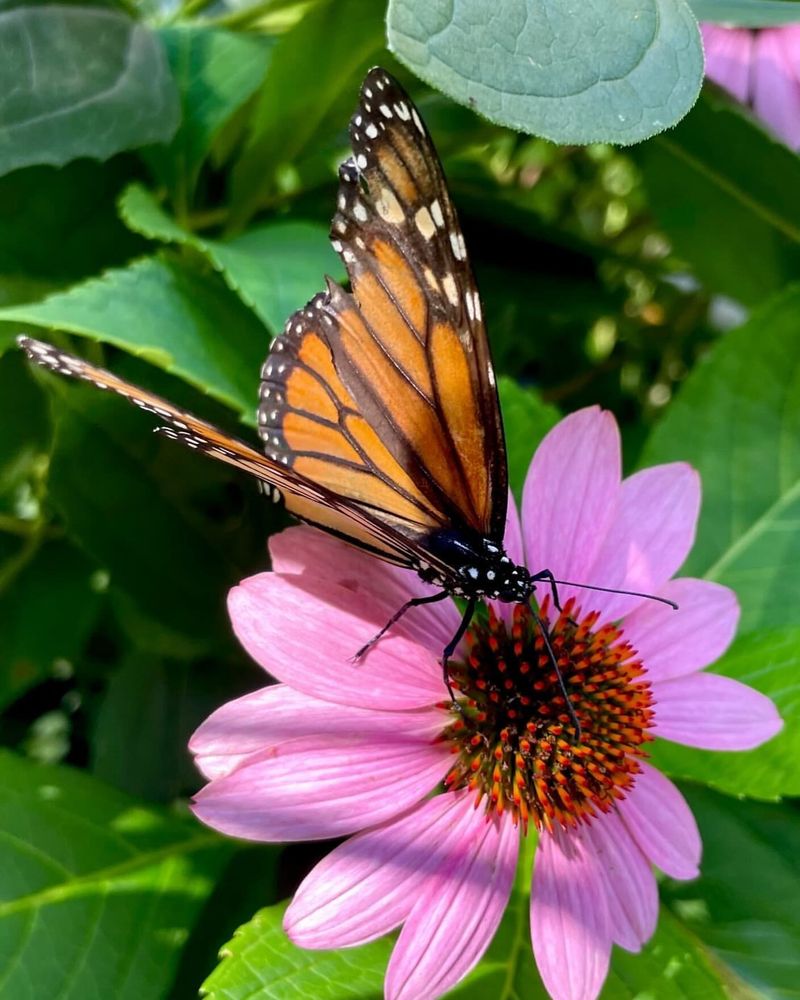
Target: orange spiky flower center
[[513, 738]]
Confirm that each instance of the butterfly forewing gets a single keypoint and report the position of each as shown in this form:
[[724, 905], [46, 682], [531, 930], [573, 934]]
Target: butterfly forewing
[[408, 345]]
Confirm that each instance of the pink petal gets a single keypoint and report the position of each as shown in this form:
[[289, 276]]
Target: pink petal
[[329, 561], [714, 713], [305, 633], [674, 643], [366, 887], [728, 55], [662, 824], [570, 926], [255, 722], [776, 90], [631, 891], [649, 538], [570, 494], [456, 914], [319, 787]]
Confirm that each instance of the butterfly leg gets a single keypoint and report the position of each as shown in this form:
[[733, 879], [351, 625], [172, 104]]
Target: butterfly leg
[[449, 649], [552, 657], [413, 603], [546, 574]]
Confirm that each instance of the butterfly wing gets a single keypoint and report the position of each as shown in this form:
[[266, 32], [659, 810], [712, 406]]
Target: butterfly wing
[[334, 512], [407, 347]]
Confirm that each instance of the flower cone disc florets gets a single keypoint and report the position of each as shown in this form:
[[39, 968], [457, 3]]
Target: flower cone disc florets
[[515, 739]]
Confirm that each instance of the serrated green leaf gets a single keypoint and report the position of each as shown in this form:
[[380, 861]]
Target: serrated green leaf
[[613, 71], [313, 64], [216, 72], [274, 268], [57, 105], [99, 893], [261, 962], [526, 420], [737, 420], [744, 905], [171, 313], [746, 13], [719, 174]]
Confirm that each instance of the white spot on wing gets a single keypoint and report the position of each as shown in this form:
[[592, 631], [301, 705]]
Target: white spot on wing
[[360, 212], [450, 290], [424, 222], [436, 212]]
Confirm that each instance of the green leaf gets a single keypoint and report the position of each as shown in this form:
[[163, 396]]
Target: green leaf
[[526, 420], [99, 892], [24, 424], [698, 190], [261, 961], [318, 61], [216, 72], [744, 905], [746, 13], [614, 71], [274, 268], [47, 610], [737, 420], [61, 225], [171, 313], [767, 660], [56, 104]]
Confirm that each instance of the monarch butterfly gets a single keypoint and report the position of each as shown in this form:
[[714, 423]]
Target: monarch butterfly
[[378, 407]]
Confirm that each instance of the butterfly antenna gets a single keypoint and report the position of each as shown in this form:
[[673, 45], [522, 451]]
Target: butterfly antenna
[[552, 656], [614, 590]]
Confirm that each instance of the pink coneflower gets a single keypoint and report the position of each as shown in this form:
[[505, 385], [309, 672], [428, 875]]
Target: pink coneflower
[[761, 68], [338, 749]]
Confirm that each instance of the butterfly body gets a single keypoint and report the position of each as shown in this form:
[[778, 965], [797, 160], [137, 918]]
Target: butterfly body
[[477, 567]]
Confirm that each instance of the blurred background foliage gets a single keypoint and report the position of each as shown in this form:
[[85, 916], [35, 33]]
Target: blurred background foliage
[[172, 253]]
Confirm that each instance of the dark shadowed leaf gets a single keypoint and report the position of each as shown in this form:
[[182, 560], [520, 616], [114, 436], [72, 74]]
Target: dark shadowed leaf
[[616, 71], [57, 105], [727, 194]]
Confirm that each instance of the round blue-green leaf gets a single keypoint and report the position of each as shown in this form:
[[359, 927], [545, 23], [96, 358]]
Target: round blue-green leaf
[[597, 71]]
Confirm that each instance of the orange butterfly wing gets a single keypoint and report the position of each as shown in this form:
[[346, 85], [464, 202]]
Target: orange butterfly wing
[[388, 396]]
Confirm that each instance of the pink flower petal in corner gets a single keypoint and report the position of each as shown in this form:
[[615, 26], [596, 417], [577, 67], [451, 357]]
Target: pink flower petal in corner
[[368, 886], [675, 643], [315, 788], [570, 925], [457, 913], [662, 824], [570, 494], [714, 713], [776, 89], [728, 54], [310, 643]]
